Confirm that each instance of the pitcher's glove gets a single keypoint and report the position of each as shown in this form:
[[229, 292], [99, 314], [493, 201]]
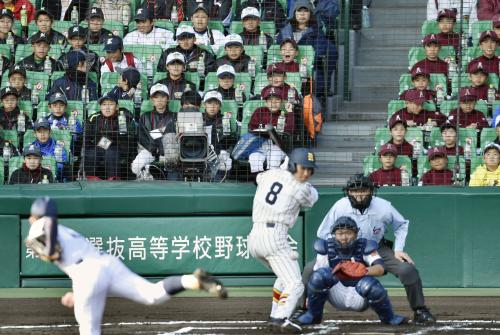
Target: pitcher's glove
[[350, 270], [39, 248]]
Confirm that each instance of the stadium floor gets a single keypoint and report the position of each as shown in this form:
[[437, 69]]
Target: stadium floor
[[462, 311]]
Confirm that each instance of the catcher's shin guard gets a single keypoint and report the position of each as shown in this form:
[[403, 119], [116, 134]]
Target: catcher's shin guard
[[371, 289]]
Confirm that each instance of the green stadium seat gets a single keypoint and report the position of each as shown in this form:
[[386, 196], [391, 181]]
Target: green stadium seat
[[217, 25], [73, 105], [5, 51], [24, 50], [57, 134], [2, 177], [269, 27], [431, 27], [475, 162], [11, 136], [92, 108], [26, 107], [145, 53], [447, 106], [98, 49], [58, 25], [476, 51], [416, 54], [48, 162], [307, 51], [405, 82], [465, 81], [110, 80], [395, 105], [211, 82], [116, 27], [383, 135], [372, 163], [17, 28], [127, 104], [488, 135], [477, 28], [228, 106], [254, 51], [248, 108], [423, 166], [437, 139]]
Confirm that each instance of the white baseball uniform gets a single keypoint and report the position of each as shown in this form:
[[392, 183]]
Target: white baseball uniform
[[96, 275], [276, 205]]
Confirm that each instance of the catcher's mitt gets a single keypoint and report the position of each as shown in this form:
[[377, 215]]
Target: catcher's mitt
[[350, 270]]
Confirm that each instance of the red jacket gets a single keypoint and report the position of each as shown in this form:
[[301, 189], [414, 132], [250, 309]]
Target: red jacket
[[420, 119], [18, 4], [486, 9], [264, 116], [293, 66], [467, 119], [452, 151], [437, 66], [383, 177], [490, 65], [449, 39], [434, 177]]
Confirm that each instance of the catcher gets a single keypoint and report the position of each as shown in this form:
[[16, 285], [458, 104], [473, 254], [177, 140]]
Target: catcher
[[344, 275]]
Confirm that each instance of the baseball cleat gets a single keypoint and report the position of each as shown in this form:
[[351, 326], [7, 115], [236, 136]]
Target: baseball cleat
[[210, 284], [397, 320], [274, 324], [423, 317], [290, 327]]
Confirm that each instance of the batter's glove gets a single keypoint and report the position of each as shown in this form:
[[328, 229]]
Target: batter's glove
[[350, 270]]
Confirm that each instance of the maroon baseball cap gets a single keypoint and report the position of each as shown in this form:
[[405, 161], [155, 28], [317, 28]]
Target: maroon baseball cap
[[488, 34], [467, 94], [418, 71], [388, 148], [396, 121], [475, 67], [272, 92], [431, 38], [496, 20], [448, 13], [415, 96], [433, 152], [278, 68]]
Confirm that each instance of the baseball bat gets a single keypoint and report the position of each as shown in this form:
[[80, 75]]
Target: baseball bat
[[273, 135]]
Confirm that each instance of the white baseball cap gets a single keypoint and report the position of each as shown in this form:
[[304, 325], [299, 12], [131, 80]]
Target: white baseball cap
[[250, 12], [158, 88], [233, 39], [212, 95], [184, 30], [226, 69], [175, 56]]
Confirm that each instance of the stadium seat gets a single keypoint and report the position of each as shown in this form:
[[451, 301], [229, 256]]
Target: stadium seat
[[395, 105], [2, 177], [92, 108], [5, 51], [465, 81], [416, 54], [228, 106], [372, 163], [116, 27], [193, 77], [383, 135], [211, 82], [58, 74], [437, 139], [48, 162], [127, 104], [269, 27], [448, 105], [431, 27], [436, 78], [174, 106], [423, 166], [110, 80], [11, 136], [475, 162], [58, 25], [254, 51], [98, 49], [24, 50], [273, 56], [477, 28], [73, 105], [57, 134], [145, 53], [248, 108], [488, 135], [476, 51]]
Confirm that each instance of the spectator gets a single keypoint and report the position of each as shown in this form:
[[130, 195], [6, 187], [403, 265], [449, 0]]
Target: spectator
[[152, 127], [7, 150], [61, 9], [205, 35], [289, 50], [117, 60], [147, 33], [439, 173], [10, 115], [497, 129], [190, 101], [488, 174], [36, 61], [479, 80], [270, 10], [193, 54], [115, 9], [75, 79], [225, 77], [487, 9], [15, 7], [251, 34], [95, 21], [414, 114], [31, 172], [160, 9], [235, 54], [216, 10], [268, 151], [6, 23], [496, 24], [57, 116], [276, 76], [398, 130], [447, 19], [469, 9], [488, 44], [304, 29], [109, 148], [77, 37], [432, 63], [17, 79], [175, 80], [469, 117], [325, 10], [449, 134], [388, 174], [127, 84], [420, 79], [44, 21]]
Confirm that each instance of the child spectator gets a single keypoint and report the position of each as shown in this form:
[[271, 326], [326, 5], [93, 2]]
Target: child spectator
[[61, 9], [251, 34], [289, 50], [127, 84], [420, 79], [432, 63], [235, 54], [192, 53], [110, 144], [449, 134], [398, 131], [414, 114], [161, 9], [488, 174], [75, 78], [190, 101], [10, 114], [95, 21], [6, 23], [388, 174], [204, 34], [469, 117], [225, 77], [488, 44], [117, 10], [152, 127], [175, 80], [147, 33], [77, 37], [219, 11], [439, 173], [17, 79], [44, 21], [270, 10], [276, 75], [268, 151], [15, 7], [446, 23], [117, 60], [36, 61], [32, 171], [479, 78], [57, 117]]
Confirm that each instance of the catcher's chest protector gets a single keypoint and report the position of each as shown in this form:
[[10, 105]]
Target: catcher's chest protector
[[335, 256]]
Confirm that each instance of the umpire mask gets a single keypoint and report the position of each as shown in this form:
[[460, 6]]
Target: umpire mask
[[359, 182]]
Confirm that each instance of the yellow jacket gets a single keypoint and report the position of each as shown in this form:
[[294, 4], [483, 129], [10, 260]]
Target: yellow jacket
[[482, 177]]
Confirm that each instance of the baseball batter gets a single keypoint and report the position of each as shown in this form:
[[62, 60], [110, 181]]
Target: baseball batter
[[279, 197], [95, 275]]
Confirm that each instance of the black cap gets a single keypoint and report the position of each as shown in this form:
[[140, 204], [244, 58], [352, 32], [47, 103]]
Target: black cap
[[447, 125], [113, 43], [203, 8], [143, 14], [95, 12], [39, 37], [17, 69], [6, 12], [108, 96], [58, 96], [132, 76], [32, 150], [43, 11], [191, 97], [41, 123], [9, 90], [77, 31], [74, 57]]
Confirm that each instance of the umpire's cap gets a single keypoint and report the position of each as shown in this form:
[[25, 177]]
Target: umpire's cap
[[359, 181], [301, 156], [44, 206], [345, 222]]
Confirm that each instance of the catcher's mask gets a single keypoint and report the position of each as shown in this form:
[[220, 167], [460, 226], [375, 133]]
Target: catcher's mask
[[344, 222], [359, 182]]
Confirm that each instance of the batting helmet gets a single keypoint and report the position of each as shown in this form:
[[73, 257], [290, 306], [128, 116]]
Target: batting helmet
[[345, 222], [359, 182], [303, 157], [44, 207]]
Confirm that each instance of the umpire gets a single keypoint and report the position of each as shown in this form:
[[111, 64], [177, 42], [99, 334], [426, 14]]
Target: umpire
[[373, 215]]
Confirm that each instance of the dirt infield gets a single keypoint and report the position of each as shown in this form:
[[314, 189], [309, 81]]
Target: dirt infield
[[457, 315]]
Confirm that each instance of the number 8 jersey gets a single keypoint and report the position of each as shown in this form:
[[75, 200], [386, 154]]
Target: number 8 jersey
[[280, 196]]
